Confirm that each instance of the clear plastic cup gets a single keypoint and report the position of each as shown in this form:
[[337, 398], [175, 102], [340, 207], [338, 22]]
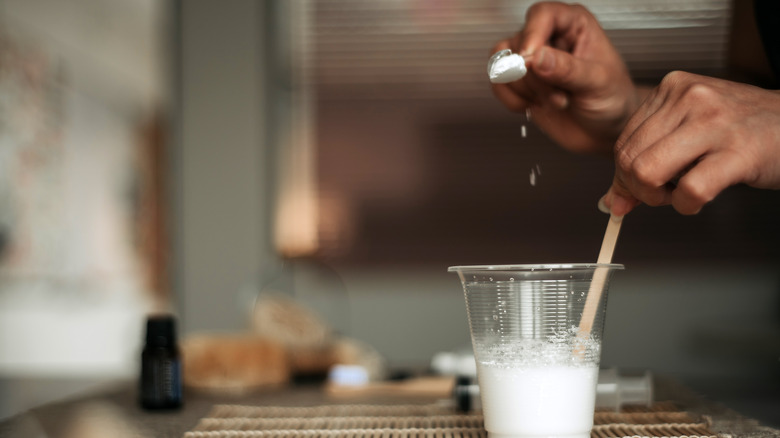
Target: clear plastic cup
[[537, 369]]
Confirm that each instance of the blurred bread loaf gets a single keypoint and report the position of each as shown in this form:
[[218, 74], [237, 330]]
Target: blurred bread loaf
[[286, 340], [234, 363]]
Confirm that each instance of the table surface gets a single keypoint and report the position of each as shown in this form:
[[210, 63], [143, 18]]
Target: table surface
[[115, 412]]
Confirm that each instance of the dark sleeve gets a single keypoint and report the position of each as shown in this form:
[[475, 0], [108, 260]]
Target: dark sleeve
[[768, 20]]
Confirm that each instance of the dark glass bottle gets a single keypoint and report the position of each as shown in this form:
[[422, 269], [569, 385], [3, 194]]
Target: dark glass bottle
[[161, 385]]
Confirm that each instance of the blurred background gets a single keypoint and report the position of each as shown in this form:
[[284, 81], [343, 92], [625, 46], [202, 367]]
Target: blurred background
[[187, 155]]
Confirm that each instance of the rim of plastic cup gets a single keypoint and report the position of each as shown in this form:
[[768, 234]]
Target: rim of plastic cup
[[536, 267]]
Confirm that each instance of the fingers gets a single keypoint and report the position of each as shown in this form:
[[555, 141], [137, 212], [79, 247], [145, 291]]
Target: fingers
[[704, 181], [542, 93], [519, 97], [516, 96], [530, 89], [574, 76], [670, 161], [558, 73], [697, 187], [650, 160], [564, 71], [509, 97], [656, 151], [550, 19], [618, 200], [539, 27]]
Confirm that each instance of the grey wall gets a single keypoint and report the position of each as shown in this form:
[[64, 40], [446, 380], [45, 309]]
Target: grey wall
[[219, 162]]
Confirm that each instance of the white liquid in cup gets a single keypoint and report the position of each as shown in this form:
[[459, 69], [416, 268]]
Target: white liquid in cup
[[538, 401]]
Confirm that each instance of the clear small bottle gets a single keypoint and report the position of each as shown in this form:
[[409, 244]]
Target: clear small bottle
[[161, 382]]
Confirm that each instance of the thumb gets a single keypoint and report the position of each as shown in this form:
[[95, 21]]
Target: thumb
[[618, 200], [565, 71]]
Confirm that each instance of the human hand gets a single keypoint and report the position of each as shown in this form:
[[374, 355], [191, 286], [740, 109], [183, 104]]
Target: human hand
[[577, 87], [693, 137]]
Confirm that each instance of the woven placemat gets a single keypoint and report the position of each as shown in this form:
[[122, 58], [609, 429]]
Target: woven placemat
[[421, 421]]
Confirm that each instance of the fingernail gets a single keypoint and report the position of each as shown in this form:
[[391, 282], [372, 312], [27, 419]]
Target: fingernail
[[603, 205]]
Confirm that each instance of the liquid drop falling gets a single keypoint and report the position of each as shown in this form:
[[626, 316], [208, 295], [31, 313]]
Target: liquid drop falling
[[534, 175]]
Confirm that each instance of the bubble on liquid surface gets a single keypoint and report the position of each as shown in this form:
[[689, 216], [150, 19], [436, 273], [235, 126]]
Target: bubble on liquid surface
[[555, 349]]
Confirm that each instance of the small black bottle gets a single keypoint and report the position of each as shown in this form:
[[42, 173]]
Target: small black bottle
[[161, 385]]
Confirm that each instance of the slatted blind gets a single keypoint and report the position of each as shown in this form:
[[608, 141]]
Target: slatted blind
[[416, 162], [434, 47]]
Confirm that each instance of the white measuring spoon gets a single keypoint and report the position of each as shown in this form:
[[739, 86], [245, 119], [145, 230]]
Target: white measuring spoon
[[505, 66]]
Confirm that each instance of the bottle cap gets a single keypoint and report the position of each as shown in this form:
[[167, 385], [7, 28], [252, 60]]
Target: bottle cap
[[161, 331]]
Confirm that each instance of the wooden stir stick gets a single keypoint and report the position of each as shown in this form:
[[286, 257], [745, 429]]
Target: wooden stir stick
[[597, 283]]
